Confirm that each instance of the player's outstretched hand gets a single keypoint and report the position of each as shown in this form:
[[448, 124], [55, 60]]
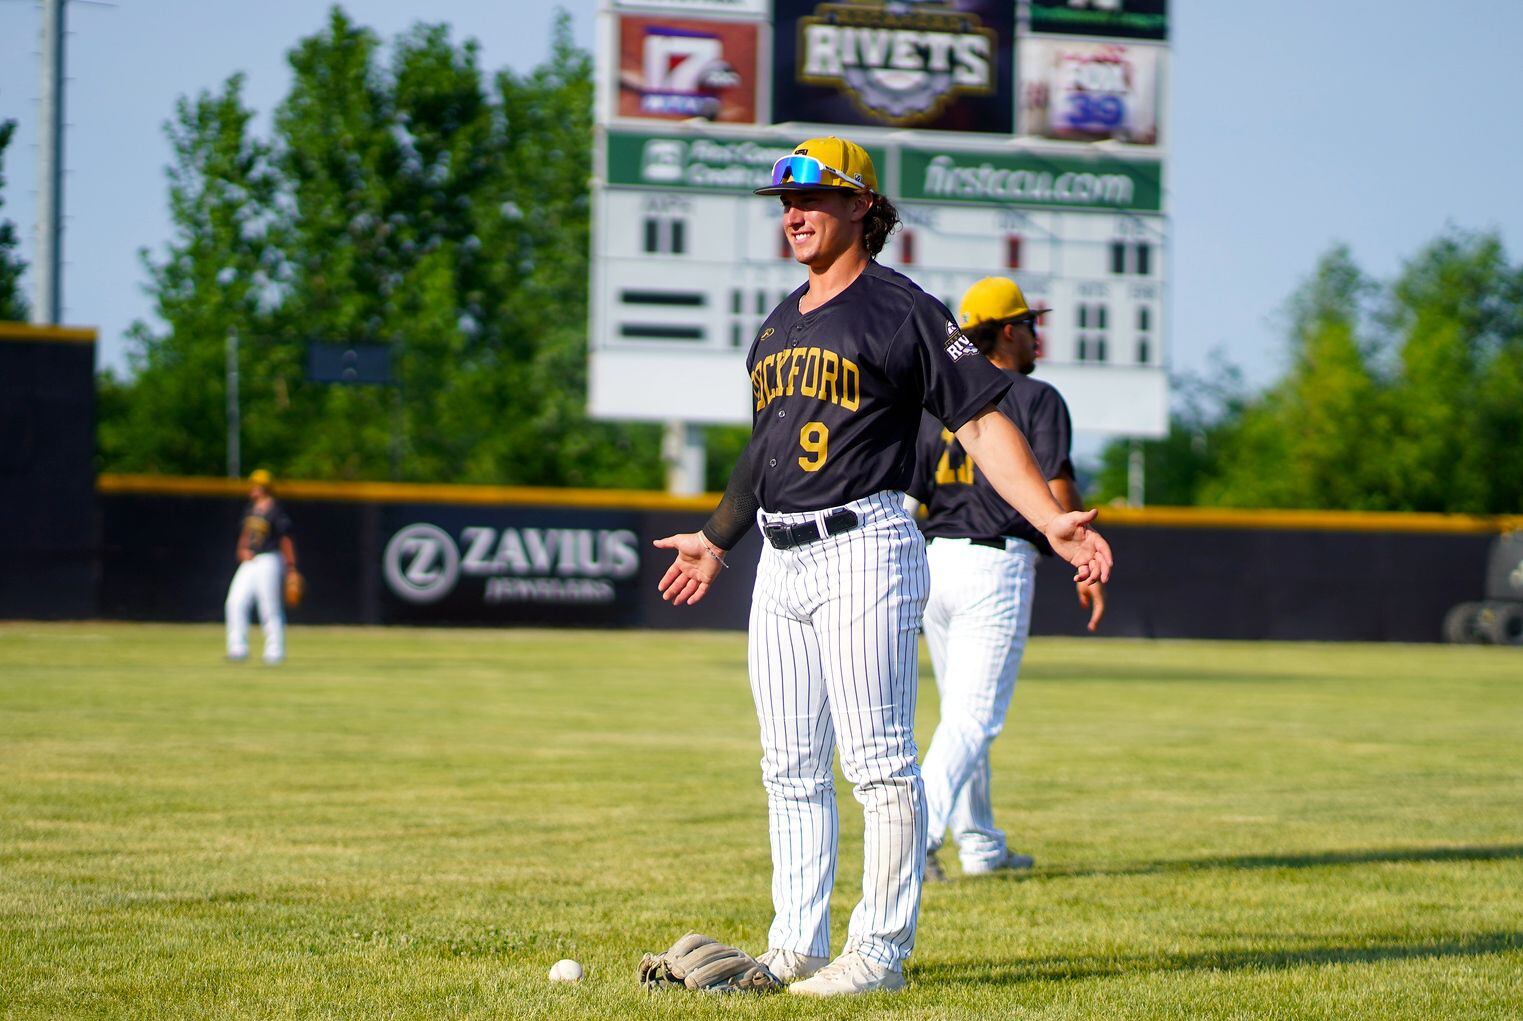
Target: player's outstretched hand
[[691, 574], [1092, 598], [1075, 541]]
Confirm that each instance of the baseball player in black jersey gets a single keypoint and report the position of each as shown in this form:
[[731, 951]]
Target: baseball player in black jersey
[[265, 552], [840, 372], [983, 556]]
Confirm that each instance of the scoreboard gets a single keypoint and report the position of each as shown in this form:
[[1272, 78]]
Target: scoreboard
[[1016, 139]]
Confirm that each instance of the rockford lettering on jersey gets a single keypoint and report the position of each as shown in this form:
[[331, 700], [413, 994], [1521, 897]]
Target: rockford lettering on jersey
[[837, 392], [816, 372]]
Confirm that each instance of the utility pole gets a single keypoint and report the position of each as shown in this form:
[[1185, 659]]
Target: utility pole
[[47, 310], [1136, 475], [234, 451]]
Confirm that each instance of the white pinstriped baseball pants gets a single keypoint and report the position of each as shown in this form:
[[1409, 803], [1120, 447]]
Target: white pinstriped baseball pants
[[976, 624], [834, 657]]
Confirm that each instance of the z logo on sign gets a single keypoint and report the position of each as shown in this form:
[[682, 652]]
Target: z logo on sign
[[421, 563]]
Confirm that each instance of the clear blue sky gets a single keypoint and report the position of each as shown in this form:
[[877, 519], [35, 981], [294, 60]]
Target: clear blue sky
[[1295, 124]]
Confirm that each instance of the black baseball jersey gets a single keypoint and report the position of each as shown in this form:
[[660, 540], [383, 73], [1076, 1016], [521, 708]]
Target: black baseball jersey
[[264, 529], [960, 502], [839, 392]]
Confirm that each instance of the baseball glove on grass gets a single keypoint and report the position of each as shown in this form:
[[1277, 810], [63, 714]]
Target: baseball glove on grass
[[703, 963], [295, 588]]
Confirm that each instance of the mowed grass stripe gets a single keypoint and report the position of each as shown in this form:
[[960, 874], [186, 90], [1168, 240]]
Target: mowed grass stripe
[[417, 823]]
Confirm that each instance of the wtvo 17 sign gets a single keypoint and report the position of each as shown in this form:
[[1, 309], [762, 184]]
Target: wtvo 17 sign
[[676, 69]]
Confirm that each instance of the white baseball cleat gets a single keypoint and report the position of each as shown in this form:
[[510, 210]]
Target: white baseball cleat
[[1011, 862], [790, 965], [848, 975]]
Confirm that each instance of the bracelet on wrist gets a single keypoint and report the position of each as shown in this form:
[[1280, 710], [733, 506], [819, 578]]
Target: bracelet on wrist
[[711, 551]]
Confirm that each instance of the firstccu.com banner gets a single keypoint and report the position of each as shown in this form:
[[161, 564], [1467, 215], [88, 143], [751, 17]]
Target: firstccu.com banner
[[509, 565]]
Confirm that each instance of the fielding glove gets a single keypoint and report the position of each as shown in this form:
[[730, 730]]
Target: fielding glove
[[704, 964]]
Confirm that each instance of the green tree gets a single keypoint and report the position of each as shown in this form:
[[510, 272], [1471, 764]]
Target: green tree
[[170, 417], [343, 252], [13, 303], [549, 141], [1405, 396], [1457, 313], [1314, 439], [404, 202]]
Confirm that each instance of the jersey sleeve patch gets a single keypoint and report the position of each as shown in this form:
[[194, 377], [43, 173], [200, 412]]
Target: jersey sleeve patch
[[958, 346]]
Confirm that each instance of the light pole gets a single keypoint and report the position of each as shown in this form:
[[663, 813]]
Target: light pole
[[225, 278], [48, 308]]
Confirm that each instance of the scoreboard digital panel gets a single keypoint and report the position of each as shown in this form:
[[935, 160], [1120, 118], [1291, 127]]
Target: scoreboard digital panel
[[1022, 139]]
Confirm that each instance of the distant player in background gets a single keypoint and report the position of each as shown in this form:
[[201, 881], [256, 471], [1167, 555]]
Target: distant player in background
[[983, 558], [265, 552]]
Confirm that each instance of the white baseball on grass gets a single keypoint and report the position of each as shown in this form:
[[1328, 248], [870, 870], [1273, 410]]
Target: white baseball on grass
[[565, 970]]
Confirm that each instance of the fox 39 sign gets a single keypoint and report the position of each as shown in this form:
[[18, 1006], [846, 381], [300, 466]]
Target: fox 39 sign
[[491, 565]]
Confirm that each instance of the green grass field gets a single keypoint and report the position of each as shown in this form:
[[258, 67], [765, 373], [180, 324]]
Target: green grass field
[[416, 824]]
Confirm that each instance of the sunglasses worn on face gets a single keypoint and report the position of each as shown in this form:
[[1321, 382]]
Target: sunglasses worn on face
[[806, 170]]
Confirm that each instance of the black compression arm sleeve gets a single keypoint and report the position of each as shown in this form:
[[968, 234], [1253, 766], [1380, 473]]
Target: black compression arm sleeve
[[736, 513]]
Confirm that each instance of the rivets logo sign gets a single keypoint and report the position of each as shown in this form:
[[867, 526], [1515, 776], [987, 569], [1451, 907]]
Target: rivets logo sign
[[901, 60]]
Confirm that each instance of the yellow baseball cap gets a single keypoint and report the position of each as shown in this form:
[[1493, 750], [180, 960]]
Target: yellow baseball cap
[[829, 162], [260, 477], [994, 299]]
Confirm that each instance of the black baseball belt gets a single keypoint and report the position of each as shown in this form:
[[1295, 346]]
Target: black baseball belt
[[799, 533], [998, 542]]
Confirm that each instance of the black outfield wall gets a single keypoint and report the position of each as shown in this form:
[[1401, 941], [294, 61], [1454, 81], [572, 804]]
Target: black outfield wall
[[47, 472], [410, 555]]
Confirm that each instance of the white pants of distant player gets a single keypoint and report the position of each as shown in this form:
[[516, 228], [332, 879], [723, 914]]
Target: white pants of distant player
[[834, 660], [256, 583], [976, 624]]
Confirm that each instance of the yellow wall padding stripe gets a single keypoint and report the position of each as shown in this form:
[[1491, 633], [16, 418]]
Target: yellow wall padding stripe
[[639, 499], [64, 334], [413, 492], [1307, 520]]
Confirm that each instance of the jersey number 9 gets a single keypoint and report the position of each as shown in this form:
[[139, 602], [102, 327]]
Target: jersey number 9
[[815, 439]]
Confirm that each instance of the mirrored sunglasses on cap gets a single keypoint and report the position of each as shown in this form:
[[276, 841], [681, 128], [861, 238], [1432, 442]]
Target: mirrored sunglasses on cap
[[806, 170]]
